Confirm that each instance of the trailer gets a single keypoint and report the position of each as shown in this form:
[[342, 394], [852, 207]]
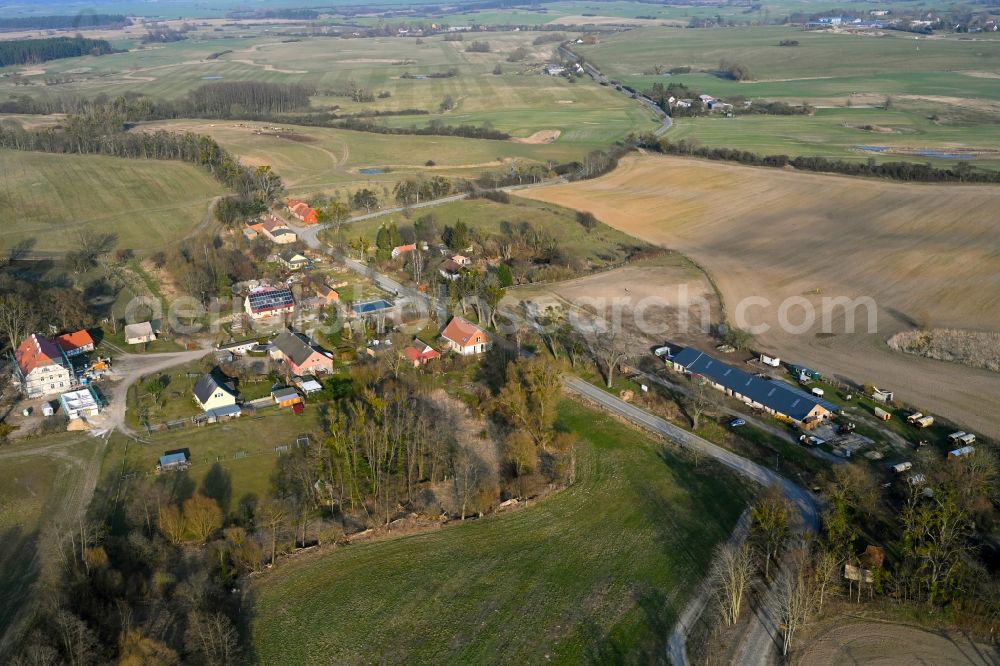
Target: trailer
[[818, 392], [902, 467], [925, 422], [914, 417], [772, 361], [882, 414], [956, 437], [964, 451]]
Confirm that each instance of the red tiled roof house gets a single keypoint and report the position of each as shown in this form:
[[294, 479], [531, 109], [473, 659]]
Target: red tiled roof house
[[464, 337], [42, 367]]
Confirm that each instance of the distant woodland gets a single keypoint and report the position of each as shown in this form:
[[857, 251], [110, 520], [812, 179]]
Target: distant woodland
[[31, 51], [76, 21]]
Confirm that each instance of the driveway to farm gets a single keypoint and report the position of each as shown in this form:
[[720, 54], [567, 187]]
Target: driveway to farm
[[132, 367]]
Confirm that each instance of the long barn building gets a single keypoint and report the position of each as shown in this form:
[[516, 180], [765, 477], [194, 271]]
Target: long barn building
[[773, 396]]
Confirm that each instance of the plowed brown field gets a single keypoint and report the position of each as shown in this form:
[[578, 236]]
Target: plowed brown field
[[928, 255]]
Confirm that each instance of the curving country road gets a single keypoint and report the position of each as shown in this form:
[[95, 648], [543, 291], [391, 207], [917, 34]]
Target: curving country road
[[758, 645]]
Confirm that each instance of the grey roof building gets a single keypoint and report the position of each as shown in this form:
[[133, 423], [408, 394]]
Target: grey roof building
[[774, 396]]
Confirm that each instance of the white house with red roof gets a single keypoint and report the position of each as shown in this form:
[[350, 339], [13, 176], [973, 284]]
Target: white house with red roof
[[42, 367], [78, 342], [464, 337], [400, 250]]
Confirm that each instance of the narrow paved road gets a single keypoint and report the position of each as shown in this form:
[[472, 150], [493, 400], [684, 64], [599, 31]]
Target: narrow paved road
[[666, 122]]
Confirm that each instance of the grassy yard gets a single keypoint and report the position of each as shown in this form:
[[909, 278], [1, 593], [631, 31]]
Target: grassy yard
[[147, 204], [597, 572], [244, 449]]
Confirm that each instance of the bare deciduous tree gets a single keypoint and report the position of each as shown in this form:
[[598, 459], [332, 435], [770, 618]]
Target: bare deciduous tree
[[731, 573], [793, 596]]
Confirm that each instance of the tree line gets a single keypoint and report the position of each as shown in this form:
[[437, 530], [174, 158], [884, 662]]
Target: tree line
[[100, 132], [32, 51], [225, 99], [962, 172], [64, 21]]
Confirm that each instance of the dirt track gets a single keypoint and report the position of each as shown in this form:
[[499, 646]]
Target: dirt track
[[926, 254], [891, 645]]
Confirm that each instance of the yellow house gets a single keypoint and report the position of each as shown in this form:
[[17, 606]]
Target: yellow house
[[212, 393]]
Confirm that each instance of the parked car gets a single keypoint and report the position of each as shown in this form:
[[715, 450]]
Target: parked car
[[736, 423]]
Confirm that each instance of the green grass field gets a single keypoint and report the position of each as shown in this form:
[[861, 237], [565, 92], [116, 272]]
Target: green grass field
[[148, 204], [944, 90], [820, 57], [596, 573], [313, 159], [841, 133], [37, 487]]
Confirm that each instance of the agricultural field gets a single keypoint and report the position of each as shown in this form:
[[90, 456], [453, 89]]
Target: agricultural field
[[943, 90], [147, 204], [599, 571], [520, 101], [314, 159], [919, 251], [851, 134]]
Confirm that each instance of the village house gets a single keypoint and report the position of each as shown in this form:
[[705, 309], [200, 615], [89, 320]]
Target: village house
[[419, 352], [770, 395], [400, 250], [462, 260], [292, 260], [264, 302], [277, 231], [76, 343], [137, 334], [252, 231], [303, 211], [328, 295], [238, 347], [212, 393], [464, 337], [449, 270], [41, 367], [299, 354]]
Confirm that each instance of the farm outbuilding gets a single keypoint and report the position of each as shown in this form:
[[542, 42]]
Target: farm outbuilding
[[772, 396], [173, 461], [136, 334], [286, 397]]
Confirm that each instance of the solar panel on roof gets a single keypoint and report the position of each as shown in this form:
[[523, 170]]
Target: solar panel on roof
[[268, 300]]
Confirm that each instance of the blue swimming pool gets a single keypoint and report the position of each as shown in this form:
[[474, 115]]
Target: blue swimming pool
[[369, 307]]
